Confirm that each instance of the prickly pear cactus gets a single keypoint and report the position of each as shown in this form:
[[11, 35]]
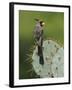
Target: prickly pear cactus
[[53, 55]]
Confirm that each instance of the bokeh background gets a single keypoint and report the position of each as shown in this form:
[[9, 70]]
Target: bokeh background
[[53, 29]]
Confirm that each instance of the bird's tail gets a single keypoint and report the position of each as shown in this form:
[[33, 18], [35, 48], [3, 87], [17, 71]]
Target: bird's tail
[[40, 53], [41, 60]]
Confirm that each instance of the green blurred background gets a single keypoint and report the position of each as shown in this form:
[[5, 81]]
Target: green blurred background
[[54, 29]]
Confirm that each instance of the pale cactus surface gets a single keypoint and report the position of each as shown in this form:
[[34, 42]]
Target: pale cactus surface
[[53, 55]]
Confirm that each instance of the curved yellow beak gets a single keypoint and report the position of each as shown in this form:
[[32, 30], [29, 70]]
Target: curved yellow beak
[[43, 23]]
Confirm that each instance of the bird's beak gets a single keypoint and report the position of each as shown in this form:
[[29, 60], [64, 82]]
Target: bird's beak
[[43, 23]]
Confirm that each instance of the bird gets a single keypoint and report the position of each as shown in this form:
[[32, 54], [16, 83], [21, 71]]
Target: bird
[[38, 34]]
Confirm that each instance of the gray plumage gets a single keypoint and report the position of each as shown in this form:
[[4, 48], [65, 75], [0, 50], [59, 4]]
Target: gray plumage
[[37, 31], [38, 35]]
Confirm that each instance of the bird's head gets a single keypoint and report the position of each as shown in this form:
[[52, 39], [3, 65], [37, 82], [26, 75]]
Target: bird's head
[[42, 23]]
